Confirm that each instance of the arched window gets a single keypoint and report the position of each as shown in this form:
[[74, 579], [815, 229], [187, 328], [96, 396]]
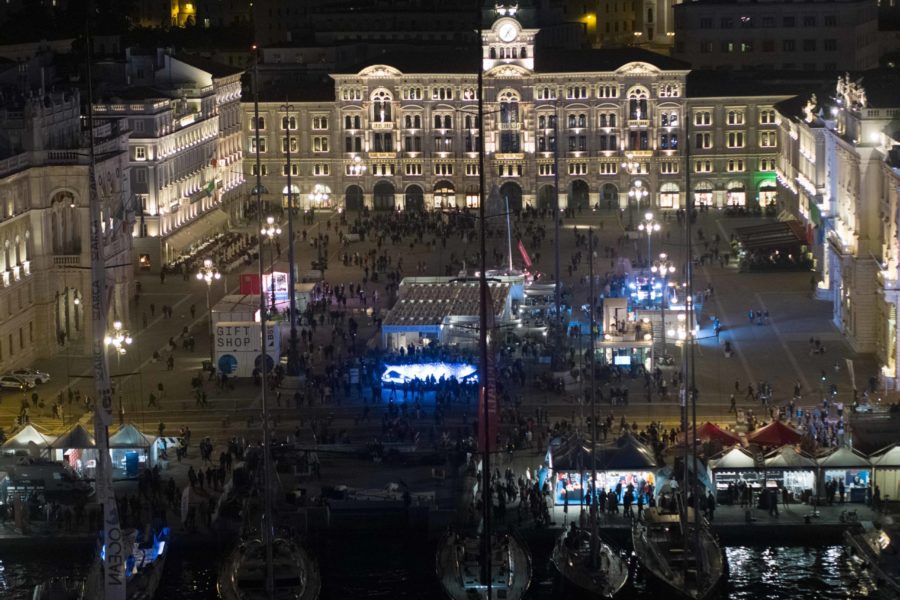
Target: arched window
[[381, 106], [509, 115], [668, 195], [509, 107], [637, 104]]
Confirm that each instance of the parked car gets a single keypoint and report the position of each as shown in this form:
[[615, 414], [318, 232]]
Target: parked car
[[32, 375], [14, 382]]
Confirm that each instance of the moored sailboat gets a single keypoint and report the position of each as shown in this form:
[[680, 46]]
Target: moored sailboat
[[580, 556], [684, 557]]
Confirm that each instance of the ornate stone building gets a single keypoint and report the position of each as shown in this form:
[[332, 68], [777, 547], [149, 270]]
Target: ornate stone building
[[839, 172], [45, 229], [403, 134], [184, 147]]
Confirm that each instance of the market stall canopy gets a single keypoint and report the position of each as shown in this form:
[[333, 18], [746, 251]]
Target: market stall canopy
[[844, 458], [26, 436], [628, 453], [128, 436], [780, 234], [775, 433], [735, 459], [712, 432], [77, 437], [787, 457], [571, 453], [887, 458]]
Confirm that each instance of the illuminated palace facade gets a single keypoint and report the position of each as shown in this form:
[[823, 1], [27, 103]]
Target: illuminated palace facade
[[608, 127], [839, 172]]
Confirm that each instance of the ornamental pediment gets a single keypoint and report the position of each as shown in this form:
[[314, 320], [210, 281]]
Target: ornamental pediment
[[380, 71], [636, 69], [508, 71]]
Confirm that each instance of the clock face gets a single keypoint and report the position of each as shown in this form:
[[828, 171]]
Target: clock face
[[508, 32]]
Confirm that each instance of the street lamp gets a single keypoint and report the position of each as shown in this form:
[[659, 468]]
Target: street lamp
[[320, 194], [356, 168], [209, 273], [271, 230], [649, 225], [636, 195], [118, 340], [663, 267]]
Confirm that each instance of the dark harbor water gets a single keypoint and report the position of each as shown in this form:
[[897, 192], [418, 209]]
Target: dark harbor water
[[376, 566]]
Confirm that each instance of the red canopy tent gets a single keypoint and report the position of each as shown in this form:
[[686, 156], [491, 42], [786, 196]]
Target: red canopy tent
[[775, 433], [706, 433], [711, 431]]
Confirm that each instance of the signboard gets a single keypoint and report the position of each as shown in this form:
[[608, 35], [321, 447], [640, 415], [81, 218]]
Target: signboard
[[280, 286], [237, 346], [250, 284]]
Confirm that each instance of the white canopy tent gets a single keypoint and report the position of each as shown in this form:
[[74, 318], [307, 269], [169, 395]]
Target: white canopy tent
[[734, 459], [793, 471], [28, 440], [851, 467], [78, 448], [131, 450], [887, 471]]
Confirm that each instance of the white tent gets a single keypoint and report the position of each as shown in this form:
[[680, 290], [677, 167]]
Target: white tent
[[129, 436], [849, 466], [887, 470], [844, 458], [735, 459], [787, 457], [28, 438], [129, 448]]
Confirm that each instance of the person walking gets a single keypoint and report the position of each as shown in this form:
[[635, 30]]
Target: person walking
[[733, 407]]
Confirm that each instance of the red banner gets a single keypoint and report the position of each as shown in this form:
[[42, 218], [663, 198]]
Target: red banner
[[524, 254], [488, 392], [250, 284]]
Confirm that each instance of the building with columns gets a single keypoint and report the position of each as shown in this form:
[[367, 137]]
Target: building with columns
[[839, 172], [403, 134], [184, 148], [45, 224]]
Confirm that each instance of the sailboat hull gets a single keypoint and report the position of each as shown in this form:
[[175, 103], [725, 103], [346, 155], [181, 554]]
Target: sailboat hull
[[659, 546], [573, 563], [296, 574], [458, 568]]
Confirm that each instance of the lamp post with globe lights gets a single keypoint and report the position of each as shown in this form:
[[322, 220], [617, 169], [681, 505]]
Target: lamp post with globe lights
[[663, 267], [636, 195], [118, 341], [356, 167], [209, 273], [270, 231], [649, 225]]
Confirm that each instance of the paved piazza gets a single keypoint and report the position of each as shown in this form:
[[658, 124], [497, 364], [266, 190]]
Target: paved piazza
[[776, 353]]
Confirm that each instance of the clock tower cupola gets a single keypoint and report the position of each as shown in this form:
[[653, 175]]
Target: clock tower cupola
[[507, 43]]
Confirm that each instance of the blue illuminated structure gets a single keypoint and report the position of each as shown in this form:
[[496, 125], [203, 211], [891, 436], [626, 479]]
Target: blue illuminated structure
[[462, 372]]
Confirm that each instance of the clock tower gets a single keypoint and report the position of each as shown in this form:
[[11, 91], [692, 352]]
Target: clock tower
[[507, 43]]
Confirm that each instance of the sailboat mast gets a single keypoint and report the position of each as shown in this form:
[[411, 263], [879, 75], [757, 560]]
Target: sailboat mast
[[685, 394], [482, 329], [508, 234], [593, 507], [113, 569], [267, 525], [691, 376]]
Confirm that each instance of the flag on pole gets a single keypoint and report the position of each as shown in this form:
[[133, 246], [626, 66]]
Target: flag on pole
[[524, 254]]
